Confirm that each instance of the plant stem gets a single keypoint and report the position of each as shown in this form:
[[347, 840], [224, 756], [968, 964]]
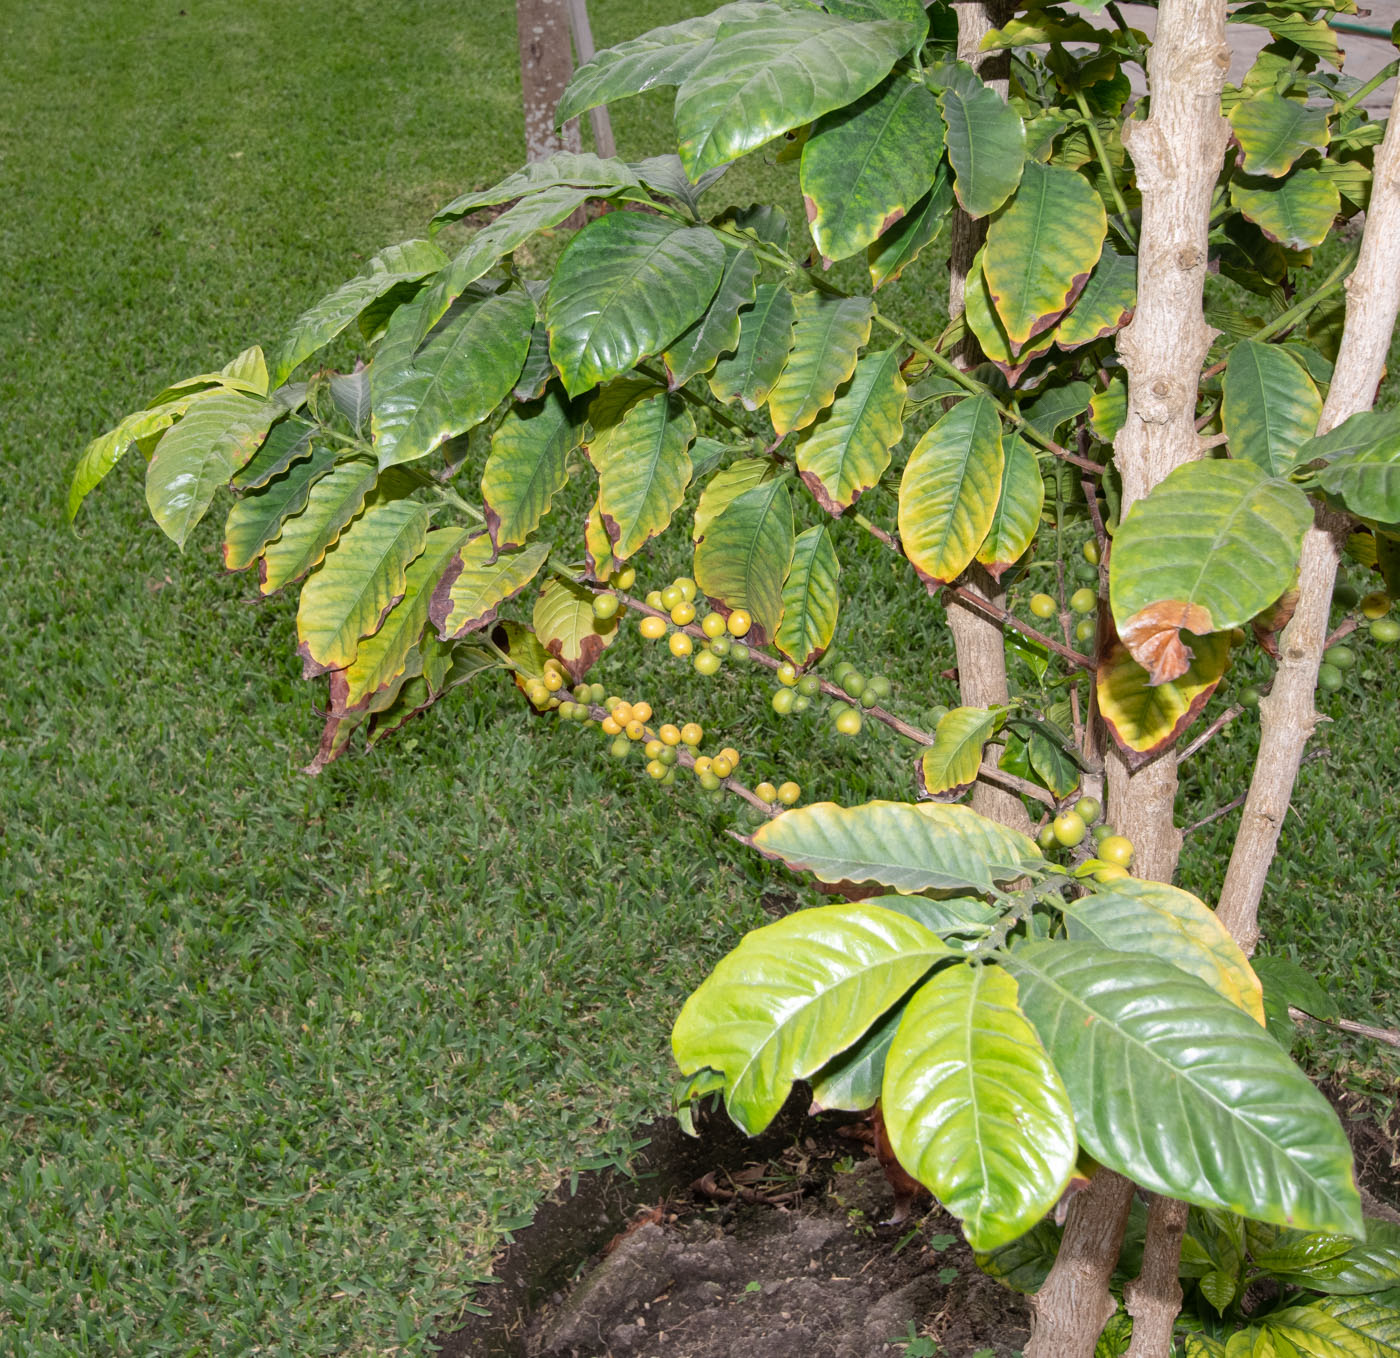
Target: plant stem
[[1092, 128], [1002, 615], [1387, 72], [719, 413]]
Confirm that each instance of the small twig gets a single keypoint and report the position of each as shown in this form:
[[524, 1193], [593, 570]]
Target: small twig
[[1344, 629], [1002, 615], [1216, 815], [989, 773], [1389, 1036], [1214, 729]]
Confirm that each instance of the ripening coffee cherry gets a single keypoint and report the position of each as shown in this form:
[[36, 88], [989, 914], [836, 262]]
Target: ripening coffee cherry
[[1090, 808], [671, 596], [1385, 630], [683, 613], [721, 646], [788, 793], [611, 727], [1116, 849], [1375, 605], [652, 748], [1046, 838], [1091, 552], [782, 701], [1251, 695], [1083, 601], [1043, 606], [766, 792], [854, 683], [879, 686], [686, 586], [670, 734], [721, 767], [809, 685], [1069, 828], [626, 577], [787, 674], [654, 599], [692, 733], [732, 755], [605, 606], [1084, 630], [620, 748], [656, 769], [553, 680], [739, 623], [706, 663], [652, 627], [849, 722], [1330, 678], [1340, 657], [622, 713], [801, 702], [668, 755], [681, 645], [634, 730], [641, 711], [709, 781], [712, 624]]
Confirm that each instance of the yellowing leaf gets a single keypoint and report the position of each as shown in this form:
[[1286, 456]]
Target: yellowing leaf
[[949, 766], [1144, 718], [478, 580], [565, 624], [826, 339]]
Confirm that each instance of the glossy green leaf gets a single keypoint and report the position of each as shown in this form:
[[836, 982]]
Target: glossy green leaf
[[1051, 763], [986, 146], [851, 1081], [948, 916], [1271, 406], [847, 448], [865, 166], [1297, 213], [464, 371], [664, 56], [1106, 304], [350, 396], [564, 169], [478, 580], [334, 500], [974, 1108], [765, 337], [727, 484], [1359, 433], [948, 767], [745, 554], [762, 79], [565, 624], [1017, 517], [1108, 410], [1174, 1086], [810, 600], [1360, 1270], [1311, 1331], [948, 494], [1041, 249], [358, 582], [257, 518], [527, 467], [717, 331], [898, 844], [1312, 35], [1371, 1321], [793, 995], [643, 470], [1367, 481], [1173, 926], [105, 451], [624, 288], [537, 370], [398, 264], [1044, 26], [381, 658], [1024, 1264], [1211, 546], [827, 335], [539, 212], [900, 244], [1273, 132], [909, 10], [214, 438]]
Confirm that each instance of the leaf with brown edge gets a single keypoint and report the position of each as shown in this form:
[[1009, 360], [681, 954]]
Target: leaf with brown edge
[[991, 335], [1105, 305], [477, 581], [564, 622], [597, 545], [949, 766], [827, 335], [1209, 548], [1143, 718], [528, 466]]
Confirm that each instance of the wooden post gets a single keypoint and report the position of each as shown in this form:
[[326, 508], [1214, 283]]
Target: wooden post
[[546, 63], [584, 50]]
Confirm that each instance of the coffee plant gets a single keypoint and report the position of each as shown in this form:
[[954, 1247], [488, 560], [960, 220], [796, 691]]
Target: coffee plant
[[1045, 1021]]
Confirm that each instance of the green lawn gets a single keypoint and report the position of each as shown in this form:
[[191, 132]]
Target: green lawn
[[281, 1058]]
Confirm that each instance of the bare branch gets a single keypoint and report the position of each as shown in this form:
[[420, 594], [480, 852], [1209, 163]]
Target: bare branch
[[1211, 731]]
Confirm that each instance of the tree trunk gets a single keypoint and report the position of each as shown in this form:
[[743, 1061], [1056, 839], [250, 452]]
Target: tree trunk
[[977, 640], [1153, 1298], [1177, 153], [1287, 716], [546, 63]]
